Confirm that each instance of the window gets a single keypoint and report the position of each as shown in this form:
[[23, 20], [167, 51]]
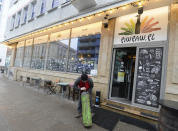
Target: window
[[18, 19], [33, 10], [58, 51], [39, 52], [55, 3], [43, 6], [84, 49], [84, 53], [19, 54], [25, 15], [79, 53], [38, 58], [12, 22], [28, 53]]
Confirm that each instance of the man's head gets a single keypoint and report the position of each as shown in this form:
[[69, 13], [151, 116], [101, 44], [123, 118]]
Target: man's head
[[84, 77]]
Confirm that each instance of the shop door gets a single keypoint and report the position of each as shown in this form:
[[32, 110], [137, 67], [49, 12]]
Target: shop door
[[123, 74]]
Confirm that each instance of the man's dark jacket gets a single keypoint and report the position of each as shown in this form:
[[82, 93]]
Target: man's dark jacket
[[90, 81]]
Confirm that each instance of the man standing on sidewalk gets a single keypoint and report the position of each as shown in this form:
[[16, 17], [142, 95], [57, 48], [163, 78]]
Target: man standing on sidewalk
[[83, 83]]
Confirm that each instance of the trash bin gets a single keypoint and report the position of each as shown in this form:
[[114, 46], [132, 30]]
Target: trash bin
[[97, 98], [168, 120]]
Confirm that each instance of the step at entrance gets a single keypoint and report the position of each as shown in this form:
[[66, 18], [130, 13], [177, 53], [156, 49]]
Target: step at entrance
[[128, 110]]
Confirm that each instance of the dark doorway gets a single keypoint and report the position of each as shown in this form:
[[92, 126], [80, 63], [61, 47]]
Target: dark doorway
[[123, 73]]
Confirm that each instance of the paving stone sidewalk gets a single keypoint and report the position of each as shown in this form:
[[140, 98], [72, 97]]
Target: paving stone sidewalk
[[27, 109]]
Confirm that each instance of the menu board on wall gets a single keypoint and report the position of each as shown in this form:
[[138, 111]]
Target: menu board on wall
[[149, 71]]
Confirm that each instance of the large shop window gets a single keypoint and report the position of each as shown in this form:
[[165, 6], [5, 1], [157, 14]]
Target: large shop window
[[39, 53], [84, 49], [19, 54], [58, 51], [28, 53]]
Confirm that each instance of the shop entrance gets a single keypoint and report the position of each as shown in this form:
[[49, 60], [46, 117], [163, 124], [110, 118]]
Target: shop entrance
[[123, 74]]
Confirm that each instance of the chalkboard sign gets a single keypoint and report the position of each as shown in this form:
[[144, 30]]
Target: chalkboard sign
[[149, 71]]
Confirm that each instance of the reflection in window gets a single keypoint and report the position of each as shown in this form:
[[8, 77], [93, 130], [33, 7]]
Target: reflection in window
[[57, 55], [27, 56], [19, 56], [84, 53], [38, 58]]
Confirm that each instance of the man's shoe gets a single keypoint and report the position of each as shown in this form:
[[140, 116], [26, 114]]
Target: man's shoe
[[78, 116]]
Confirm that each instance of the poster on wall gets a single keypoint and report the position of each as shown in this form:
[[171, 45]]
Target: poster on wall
[[146, 26], [149, 72]]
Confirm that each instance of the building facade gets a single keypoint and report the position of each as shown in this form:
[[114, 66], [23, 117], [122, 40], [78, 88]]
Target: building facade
[[127, 47], [4, 5]]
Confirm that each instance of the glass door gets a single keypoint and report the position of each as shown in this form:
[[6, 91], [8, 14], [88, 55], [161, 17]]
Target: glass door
[[123, 74]]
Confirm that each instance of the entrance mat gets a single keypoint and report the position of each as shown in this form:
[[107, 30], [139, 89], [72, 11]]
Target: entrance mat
[[108, 120]]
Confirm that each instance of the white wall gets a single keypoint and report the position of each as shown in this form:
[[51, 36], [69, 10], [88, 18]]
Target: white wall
[[3, 23], [4, 18], [49, 18], [3, 51]]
